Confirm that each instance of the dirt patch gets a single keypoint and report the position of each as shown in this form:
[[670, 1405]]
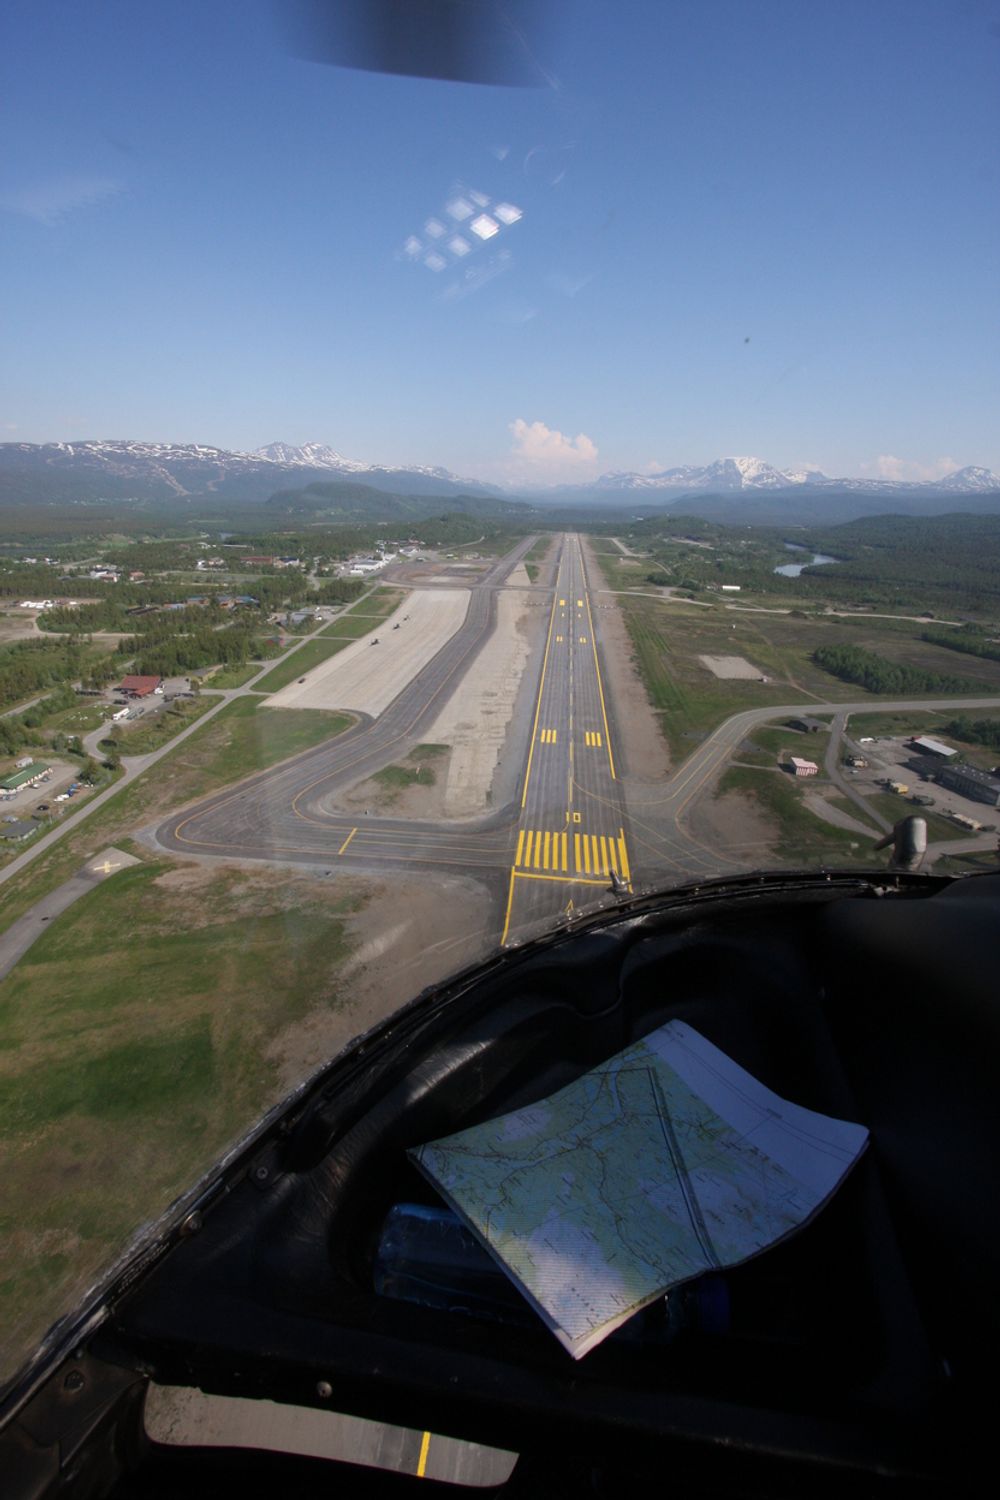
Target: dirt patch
[[391, 963], [734, 826], [519, 575], [476, 717], [645, 756], [421, 799], [732, 666]]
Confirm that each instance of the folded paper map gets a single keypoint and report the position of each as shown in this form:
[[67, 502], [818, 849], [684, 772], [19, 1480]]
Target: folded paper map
[[667, 1161]]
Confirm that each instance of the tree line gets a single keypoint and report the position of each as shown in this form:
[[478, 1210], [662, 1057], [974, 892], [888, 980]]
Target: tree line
[[877, 675]]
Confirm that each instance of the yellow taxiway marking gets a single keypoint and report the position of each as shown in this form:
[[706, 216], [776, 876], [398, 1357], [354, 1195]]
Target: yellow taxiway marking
[[583, 640], [592, 737], [347, 841], [559, 640], [559, 879], [579, 604], [548, 736], [106, 868], [562, 603], [425, 1443]]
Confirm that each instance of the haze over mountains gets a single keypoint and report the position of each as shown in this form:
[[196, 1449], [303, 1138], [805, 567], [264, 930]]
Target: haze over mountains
[[316, 477]]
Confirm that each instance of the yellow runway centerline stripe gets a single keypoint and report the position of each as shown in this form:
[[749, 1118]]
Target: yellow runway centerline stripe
[[347, 841]]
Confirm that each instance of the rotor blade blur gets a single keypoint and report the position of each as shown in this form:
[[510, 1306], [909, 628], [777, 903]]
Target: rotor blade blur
[[503, 42]]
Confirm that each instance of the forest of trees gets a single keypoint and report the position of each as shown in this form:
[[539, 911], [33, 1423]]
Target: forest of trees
[[29, 667], [970, 640], [877, 675], [976, 731]]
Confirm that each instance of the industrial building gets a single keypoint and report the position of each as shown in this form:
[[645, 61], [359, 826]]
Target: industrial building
[[806, 725], [27, 776], [802, 767], [140, 687], [926, 746], [15, 832], [978, 785]]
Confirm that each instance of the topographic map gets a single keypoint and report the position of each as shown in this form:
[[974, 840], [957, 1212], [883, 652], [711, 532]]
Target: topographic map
[[665, 1162]]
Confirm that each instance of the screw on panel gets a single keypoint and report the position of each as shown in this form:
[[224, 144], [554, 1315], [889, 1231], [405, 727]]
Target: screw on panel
[[324, 1389]]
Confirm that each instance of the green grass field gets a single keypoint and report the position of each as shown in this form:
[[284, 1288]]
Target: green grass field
[[80, 719], [233, 677], [366, 615], [126, 1067]]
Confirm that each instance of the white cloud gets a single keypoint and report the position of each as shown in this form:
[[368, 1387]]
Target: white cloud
[[49, 202], [536, 444], [888, 466]]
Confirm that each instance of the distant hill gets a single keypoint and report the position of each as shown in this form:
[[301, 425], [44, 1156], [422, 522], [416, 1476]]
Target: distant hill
[[349, 500]]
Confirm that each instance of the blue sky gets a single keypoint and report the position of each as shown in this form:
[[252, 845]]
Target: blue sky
[[746, 226]]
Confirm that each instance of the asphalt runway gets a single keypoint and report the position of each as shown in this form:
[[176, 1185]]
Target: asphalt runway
[[547, 854]]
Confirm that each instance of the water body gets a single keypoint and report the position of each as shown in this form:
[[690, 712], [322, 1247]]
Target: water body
[[792, 570]]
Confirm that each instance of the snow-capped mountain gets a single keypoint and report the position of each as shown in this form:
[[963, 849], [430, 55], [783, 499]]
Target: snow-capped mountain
[[746, 473], [310, 456], [322, 456], [970, 479], [111, 469]]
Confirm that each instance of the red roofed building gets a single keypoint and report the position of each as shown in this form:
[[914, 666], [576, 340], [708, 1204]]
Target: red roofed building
[[141, 687]]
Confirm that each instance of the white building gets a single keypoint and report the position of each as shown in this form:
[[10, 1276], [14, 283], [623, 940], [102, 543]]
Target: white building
[[802, 767]]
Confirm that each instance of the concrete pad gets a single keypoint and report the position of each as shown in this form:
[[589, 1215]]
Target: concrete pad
[[367, 678], [732, 666]]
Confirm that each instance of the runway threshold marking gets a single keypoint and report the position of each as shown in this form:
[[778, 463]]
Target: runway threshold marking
[[599, 854], [542, 849], [347, 841]]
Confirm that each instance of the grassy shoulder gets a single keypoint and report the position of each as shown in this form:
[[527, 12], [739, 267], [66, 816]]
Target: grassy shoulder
[[233, 677], [241, 739], [127, 1066], [311, 654]]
